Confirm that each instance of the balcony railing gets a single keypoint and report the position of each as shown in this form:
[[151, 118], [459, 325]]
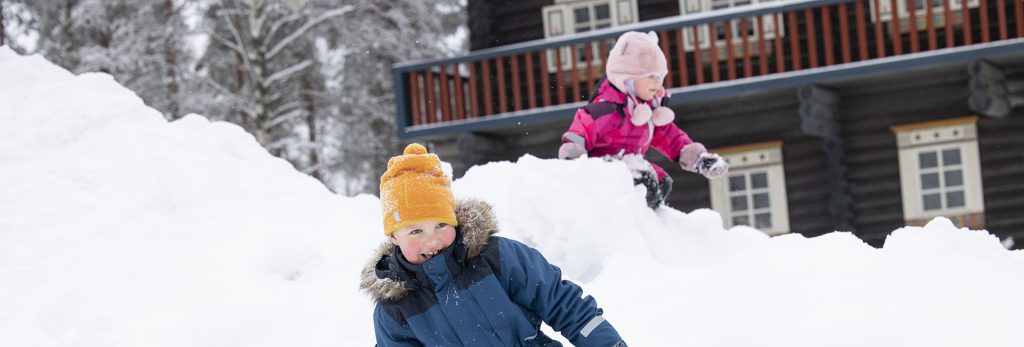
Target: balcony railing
[[502, 86]]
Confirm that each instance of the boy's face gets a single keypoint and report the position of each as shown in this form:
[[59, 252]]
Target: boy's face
[[421, 241], [647, 87]]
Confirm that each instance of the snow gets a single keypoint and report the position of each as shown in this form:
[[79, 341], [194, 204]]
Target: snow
[[118, 228]]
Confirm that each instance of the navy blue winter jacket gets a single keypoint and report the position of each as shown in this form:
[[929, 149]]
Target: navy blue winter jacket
[[484, 291]]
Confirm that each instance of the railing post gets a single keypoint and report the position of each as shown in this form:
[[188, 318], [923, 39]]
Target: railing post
[[812, 38], [950, 40], [915, 45], [401, 101], [983, 18]]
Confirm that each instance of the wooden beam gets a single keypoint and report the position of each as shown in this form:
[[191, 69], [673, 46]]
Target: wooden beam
[[965, 13], [474, 104], [1001, 14], [499, 64], [488, 96], [545, 81], [983, 18], [794, 41], [762, 50], [460, 98], [780, 61], [531, 90], [446, 101], [819, 117], [896, 34], [1018, 13], [517, 94], [730, 51], [558, 76], [948, 13], [574, 74], [930, 24], [684, 76], [429, 105], [713, 52], [879, 38], [934, 124], [748, 70], [844, 34], [663, 44], [698, 66], [414, 96], [915, 44], [812, 39], [862, 36]]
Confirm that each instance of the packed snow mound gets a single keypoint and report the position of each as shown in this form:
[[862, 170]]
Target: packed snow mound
[[118, 228]]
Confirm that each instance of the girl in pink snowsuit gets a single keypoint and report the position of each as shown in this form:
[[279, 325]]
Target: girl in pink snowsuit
[[627, 116]]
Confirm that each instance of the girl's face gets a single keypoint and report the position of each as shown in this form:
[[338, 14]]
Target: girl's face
[[647, 87], [421, 241]]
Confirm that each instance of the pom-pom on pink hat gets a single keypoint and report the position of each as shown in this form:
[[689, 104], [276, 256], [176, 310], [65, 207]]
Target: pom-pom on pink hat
[[635, 55]]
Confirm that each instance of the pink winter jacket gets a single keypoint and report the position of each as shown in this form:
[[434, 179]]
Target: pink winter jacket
[[606, 132]]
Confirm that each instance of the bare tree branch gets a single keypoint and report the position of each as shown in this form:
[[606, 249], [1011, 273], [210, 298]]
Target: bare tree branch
[[287, 72], [305, 27], [281, 22]]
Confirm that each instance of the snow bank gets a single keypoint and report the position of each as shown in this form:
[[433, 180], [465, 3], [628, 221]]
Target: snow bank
[[120, 229]]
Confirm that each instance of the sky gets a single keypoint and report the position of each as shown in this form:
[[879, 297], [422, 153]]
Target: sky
[[118, 228]]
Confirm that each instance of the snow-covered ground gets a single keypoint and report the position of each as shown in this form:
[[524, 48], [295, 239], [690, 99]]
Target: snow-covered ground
[[120, 229]]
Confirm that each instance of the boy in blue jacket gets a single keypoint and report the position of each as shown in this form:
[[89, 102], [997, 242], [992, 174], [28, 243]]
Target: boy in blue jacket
[[443, 279]]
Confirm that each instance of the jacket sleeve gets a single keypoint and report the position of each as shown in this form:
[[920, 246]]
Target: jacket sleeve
[[670, 140], [535, 284], [390, 333], [581, 131]]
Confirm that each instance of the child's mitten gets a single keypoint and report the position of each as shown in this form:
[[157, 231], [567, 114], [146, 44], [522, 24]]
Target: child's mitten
[[689, 156], [571, 150], [712, 165]]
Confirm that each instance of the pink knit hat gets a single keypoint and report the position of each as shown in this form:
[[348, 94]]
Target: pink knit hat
[[635, 55]]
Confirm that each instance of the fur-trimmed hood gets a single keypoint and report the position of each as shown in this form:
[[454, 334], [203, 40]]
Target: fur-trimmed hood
[[476, 225]]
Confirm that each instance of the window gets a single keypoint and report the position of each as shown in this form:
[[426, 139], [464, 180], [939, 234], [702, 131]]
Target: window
[[568, 17], [920, 12], [754, 193], [751, 32], [940, 174]]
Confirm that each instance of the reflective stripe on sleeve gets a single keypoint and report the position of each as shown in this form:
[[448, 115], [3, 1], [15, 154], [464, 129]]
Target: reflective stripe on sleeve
[[575, 138], [589, 328]]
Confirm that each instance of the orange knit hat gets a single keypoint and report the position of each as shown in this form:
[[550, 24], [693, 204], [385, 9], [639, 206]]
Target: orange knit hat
[[414, 189]]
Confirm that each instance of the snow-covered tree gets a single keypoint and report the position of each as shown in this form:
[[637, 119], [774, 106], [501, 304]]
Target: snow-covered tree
[[310, 79], [258, 64], [137, 42], [3, 30], [359, 53]]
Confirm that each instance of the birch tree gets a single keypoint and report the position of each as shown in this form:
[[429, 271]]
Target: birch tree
[[3, 30], [260, 50], [137, 42], [378, 35]]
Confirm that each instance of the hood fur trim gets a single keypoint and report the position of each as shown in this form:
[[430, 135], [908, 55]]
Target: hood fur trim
[[476, 222]]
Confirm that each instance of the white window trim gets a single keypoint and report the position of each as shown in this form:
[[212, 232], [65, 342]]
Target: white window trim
[[930, 136], [564, 10], [760, 157], [885, 11], [767, 24]]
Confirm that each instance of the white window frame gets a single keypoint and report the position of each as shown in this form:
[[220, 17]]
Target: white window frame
[[914, 139], [885, 12], [560, 20], [750, 159], [698, 6]]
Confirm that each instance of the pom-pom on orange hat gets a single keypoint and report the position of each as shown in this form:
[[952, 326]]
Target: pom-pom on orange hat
[[415, 189]]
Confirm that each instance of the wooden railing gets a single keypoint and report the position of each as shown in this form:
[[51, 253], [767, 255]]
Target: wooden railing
[[555, 75]]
